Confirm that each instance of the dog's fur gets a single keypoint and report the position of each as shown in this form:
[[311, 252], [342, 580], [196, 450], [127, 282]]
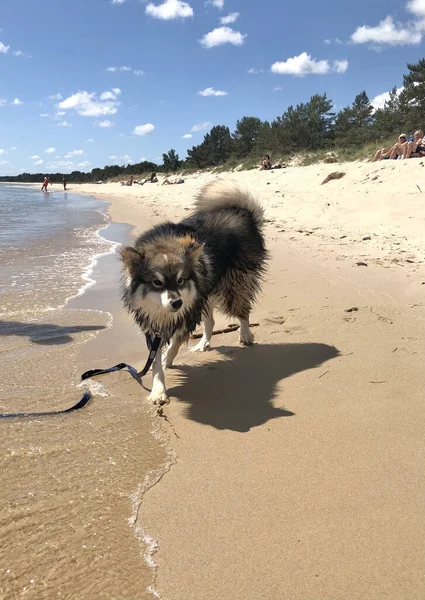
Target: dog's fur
[[177, 273]]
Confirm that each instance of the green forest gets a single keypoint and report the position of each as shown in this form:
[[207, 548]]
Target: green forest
[[307, 127]]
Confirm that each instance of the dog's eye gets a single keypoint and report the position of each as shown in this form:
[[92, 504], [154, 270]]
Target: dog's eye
[[180, 280], [157, 283]]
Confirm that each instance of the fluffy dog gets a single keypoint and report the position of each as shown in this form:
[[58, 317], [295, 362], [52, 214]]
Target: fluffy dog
[[176, 273]]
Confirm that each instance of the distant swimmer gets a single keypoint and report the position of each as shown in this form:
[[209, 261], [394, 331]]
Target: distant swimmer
[[64, 184]]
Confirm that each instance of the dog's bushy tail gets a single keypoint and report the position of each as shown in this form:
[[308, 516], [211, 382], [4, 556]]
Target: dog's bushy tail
[[228, 194]]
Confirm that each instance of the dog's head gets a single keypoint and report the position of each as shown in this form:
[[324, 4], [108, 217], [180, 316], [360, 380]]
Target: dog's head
[[161, 275]]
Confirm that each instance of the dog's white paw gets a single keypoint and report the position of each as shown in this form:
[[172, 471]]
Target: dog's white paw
[[202, 346], [246, 338], [159, 397]]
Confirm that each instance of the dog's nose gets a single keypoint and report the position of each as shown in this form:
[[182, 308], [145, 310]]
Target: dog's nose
[[176, 304]]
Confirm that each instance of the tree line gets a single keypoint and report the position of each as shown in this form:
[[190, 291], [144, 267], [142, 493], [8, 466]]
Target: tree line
[[309, 126]]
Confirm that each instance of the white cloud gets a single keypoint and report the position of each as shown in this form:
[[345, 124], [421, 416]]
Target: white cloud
[[116, 91], [301, 65], [13, 148], [230, 18], [4, 162], [35, 157], [217, 3], [84, 165], [18, 53], [304, 64], [125, 68], [3, 151], [55, 97], [212, 92], [61, 164], [3, 48], [334, 41], [170, 9], [387, 33], [117, 1], [88, 105], [112, 69], [104, 124], [379, 100], [17, 102], [340, 66], [3, 101], [143, 129], [107, 96], [122, 159], [38, 162], [74, 153], [255, 71], [222, 35], [202, 126], [44, 115], [64, 124], [187, 136], [90, 140], [139, 72], [50, 150], [277, 89], [417, 7]]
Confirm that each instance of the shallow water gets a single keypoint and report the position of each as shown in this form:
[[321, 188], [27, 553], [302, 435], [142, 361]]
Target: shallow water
[[70, 485]]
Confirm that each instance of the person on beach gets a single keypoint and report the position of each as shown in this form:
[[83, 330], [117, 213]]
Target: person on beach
[[129, 182], [45, 184], [176, 182], [152, 179], [398, 150], [416, 148], [64, 184], [266, 165]]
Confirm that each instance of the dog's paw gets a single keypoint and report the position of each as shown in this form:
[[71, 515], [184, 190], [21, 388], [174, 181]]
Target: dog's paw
[[246, 339], [202, 346], [159, 398]]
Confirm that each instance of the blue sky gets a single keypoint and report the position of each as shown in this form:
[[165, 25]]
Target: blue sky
[[84, 81]]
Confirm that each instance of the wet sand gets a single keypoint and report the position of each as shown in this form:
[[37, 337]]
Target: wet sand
[[72, 484]]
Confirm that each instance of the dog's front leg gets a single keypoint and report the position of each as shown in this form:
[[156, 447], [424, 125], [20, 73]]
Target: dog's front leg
[[158, 394]]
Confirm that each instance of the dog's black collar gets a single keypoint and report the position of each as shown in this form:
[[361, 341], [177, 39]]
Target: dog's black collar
[[93, 373]]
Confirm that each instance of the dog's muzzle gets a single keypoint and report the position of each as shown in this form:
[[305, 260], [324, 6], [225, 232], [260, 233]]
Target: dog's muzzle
[[176, 304]]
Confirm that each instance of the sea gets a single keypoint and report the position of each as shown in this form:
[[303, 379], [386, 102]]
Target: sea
[[70, 485]]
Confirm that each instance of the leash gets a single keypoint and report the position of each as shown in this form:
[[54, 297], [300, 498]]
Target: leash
[[93, 373]]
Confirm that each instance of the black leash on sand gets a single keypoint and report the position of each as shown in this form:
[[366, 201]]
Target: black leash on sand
[[93, 373]]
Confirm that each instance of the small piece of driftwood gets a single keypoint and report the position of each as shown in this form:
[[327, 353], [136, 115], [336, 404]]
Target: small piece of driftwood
[[331, 176], [229, 329]]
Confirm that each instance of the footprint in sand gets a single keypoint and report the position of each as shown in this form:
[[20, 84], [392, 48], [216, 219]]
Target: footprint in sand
[[275, 320]]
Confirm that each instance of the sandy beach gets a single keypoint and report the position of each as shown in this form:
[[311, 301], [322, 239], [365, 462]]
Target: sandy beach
[[298, 469], [292, 469]]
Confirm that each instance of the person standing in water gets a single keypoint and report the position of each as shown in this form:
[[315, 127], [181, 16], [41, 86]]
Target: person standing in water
[[64, 184], [45, 184]]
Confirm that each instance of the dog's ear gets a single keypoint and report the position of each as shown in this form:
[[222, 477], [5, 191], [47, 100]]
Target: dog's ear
[[131, 258], [192, 248]]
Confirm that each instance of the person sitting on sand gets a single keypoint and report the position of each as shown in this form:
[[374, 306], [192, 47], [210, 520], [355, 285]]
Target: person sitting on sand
[[398, 150], [266, 165], [176, 182], [416, 148], [152, 179], [129, 182]]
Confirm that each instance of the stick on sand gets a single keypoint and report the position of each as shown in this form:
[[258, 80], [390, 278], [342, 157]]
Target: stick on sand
[[229, 329]]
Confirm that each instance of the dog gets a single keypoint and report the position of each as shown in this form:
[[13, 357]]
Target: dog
[[177, 273]]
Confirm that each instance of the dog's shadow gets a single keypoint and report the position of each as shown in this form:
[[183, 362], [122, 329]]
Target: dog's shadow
[[236, 393]]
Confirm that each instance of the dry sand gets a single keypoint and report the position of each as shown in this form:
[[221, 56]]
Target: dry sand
[[297, 471]]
